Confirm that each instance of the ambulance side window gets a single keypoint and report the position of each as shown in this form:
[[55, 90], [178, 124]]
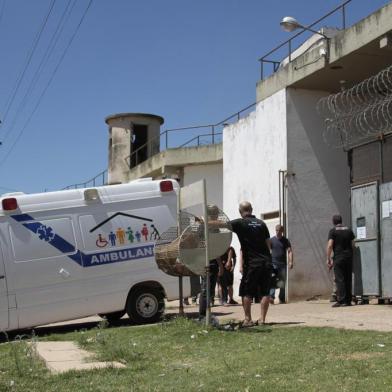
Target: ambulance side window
[[35, 240]]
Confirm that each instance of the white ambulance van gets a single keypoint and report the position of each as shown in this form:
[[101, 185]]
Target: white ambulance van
[[75, 253]]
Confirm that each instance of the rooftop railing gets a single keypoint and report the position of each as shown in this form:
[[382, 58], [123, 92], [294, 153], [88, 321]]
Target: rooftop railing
[[173, 138], [185, 137], [99, 179], [288, 45]]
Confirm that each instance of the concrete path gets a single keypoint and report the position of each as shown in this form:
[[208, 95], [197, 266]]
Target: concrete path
[[61, 357]]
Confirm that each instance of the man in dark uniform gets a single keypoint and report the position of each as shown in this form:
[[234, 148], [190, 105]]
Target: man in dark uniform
[[340, 243], [281, 251], [256, 265]]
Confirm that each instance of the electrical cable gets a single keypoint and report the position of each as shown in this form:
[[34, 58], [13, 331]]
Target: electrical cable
[[21, 132], [29, 58], [48, 53]]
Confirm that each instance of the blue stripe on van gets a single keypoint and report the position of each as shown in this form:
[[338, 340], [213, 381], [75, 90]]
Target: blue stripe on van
[[84, 260], [22, 217]]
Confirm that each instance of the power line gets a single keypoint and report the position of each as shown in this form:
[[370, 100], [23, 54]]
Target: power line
[[48, 53], [29, 58], [48, 84]]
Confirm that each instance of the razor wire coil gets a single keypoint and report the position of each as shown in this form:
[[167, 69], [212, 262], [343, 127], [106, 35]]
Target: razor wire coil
[[358, 113]]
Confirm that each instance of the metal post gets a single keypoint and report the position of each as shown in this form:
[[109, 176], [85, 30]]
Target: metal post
[[213, 134], [284, 179], [181, 295], [280, 199], [206, 235], [344, 17], [180, 285], [261, 70], [290, 51], [166, 138]]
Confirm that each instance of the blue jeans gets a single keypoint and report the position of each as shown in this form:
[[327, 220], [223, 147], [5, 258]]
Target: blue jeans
[[281, 272]]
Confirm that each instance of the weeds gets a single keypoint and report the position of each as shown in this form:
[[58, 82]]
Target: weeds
[[179, 353]]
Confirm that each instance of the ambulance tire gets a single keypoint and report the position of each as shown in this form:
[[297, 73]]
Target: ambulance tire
[[112, 317], [145, 305]]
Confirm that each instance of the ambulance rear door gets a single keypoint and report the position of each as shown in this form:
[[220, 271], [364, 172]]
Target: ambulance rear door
[[3, 296]]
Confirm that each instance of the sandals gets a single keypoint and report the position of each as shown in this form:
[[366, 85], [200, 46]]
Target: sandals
[[248, 323]]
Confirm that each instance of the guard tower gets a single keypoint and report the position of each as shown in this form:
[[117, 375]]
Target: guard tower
[[133, 138]]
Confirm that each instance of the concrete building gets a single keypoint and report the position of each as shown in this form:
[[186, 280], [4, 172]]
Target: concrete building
[[133, 138], [134, 152], [276, 157], [285, 134]]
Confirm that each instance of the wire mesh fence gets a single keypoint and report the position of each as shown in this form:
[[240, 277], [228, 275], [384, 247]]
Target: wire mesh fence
[[182, 251]]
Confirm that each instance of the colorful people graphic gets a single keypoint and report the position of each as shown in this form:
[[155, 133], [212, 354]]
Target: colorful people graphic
[[131, 237], [112, 238], [101, 241], [120, 235], [154, 234], [144, 232]]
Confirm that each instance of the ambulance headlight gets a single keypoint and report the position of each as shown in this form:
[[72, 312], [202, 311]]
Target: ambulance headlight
[[91, 195]]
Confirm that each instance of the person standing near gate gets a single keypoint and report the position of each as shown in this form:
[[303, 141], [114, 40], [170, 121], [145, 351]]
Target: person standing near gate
[[255, 243], [281, 253], [341, 245]]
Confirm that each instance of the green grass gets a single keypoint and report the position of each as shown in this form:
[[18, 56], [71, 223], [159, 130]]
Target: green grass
[[183, 355]]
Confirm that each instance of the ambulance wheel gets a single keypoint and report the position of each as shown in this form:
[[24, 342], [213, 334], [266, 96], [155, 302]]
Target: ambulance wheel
[[145, 305], [112, 317]]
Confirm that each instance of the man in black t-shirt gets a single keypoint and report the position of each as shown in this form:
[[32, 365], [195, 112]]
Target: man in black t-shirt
[[340, 243], [281, 251], [256, 265]]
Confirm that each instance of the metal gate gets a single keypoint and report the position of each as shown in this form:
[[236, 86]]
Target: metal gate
[[386, 239], [365, 224]]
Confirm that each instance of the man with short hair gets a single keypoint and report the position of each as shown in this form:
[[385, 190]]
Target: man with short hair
[[256, 265], [281, 251], [341, 245]]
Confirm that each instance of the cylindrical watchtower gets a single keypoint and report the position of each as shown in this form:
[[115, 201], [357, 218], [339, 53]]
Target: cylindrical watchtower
[[133, 138]]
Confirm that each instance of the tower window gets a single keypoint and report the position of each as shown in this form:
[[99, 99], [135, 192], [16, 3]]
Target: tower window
[[139, 150]]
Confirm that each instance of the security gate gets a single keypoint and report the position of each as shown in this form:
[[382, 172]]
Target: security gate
[[386, 239], [365, 224]]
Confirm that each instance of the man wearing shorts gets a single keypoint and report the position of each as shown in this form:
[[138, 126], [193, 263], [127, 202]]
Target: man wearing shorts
[[256, 265]]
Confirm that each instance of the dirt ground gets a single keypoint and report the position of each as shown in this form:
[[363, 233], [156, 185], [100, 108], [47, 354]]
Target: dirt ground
[[318, 313]]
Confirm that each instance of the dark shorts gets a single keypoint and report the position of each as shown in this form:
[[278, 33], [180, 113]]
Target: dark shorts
[[256, 281], [226, 279]]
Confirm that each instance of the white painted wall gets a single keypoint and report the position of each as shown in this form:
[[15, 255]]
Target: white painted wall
[[254, 150], [214, 180], [319, 189]]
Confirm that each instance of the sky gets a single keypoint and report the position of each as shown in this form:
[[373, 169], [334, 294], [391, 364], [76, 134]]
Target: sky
[[67, 64]]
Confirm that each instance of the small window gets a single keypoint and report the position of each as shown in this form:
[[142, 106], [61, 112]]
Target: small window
[[139, 147], [270, 215]]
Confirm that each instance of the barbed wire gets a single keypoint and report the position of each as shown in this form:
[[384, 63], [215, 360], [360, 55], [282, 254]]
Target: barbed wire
[[358, 113]]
